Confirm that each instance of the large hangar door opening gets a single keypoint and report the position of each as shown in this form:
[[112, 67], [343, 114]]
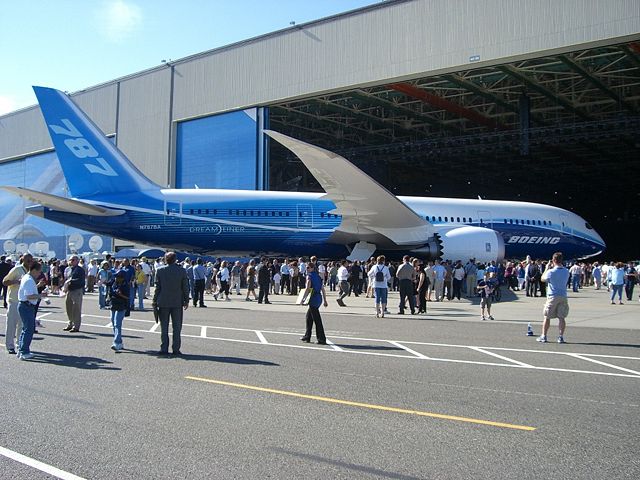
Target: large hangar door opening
[[222, 151], [560, 130]]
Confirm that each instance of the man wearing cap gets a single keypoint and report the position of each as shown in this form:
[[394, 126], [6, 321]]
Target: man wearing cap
[[171, 297]]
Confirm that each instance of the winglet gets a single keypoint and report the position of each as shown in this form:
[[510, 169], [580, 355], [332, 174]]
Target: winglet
[[358, 197]]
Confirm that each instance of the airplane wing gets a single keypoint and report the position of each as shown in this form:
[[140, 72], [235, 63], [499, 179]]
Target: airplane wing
[[62, 204], [363, 203]]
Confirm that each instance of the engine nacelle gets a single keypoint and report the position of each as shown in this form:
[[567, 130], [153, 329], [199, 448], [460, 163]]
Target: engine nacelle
[[463, 243]]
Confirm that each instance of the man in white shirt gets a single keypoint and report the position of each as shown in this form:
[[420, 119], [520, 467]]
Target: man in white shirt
[[285, 276], [380, 275], [146, 269], [302, 266], [28, 297], [92, 272], [458, 278], [343, 283], [322, 271], [12, 280], [439, 272], [576, 275]]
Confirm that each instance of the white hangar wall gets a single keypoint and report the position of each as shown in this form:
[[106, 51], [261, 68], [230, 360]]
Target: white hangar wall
[[385, 42]]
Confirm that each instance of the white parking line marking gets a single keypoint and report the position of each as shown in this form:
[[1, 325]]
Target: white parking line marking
[[333, 345], [43, 467], [40, 317], [576, 355], [481, 350], [203, 331], [261, 336], [415, 355], [413, 352], [154, 327]]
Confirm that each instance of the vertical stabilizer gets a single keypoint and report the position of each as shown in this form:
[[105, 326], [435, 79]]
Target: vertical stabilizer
[[91, 164]]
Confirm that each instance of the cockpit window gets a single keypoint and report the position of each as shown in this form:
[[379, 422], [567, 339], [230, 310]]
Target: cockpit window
[[589, 227]]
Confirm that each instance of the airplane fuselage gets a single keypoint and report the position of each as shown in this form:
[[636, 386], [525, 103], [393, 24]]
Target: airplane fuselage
[[291, 223]]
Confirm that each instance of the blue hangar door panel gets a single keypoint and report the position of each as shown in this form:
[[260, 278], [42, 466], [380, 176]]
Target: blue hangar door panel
[[222, 151]]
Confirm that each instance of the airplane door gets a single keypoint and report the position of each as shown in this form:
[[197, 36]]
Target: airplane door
[[172, 213], [564, 223], [484, 218], [305, 215]]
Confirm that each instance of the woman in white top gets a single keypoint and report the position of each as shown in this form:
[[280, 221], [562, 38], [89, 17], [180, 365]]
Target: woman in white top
[[380, 276], [224, 277], [28, 296]]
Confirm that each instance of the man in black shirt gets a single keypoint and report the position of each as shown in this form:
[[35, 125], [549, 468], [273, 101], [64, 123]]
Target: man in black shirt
[[75, 288], [5, 267]]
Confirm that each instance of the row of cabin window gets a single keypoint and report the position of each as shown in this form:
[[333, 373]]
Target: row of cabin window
[[516, 221], [446, 219], [244, 213], [509, 221], [254, 213]]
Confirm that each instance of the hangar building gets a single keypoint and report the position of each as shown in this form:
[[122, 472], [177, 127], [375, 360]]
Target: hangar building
[[532, 100]]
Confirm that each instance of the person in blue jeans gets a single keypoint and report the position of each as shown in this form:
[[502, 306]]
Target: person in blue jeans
[[617, 282], [28, 297], [314, 288], [379, 277], [140, 283], [119, 303], [104, 281]]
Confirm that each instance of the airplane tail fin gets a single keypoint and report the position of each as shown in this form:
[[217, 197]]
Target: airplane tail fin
[[91, 164]]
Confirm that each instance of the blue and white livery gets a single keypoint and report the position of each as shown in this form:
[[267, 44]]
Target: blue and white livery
[[355, 218]]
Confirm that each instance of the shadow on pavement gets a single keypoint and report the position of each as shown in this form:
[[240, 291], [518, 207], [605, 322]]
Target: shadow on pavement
[[351, 466], [77, 335], [84, 363], [368, 347], [599, 344], [86, 336], [202, 358]]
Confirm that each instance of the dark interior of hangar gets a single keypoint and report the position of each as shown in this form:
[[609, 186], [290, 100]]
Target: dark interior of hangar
[[562, 130]]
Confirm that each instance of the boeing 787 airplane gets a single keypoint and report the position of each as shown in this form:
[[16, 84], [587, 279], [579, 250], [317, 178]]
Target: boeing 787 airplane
[[355, 218]]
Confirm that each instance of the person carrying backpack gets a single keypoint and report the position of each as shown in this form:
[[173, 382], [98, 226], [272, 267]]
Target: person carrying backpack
[[380, 275]]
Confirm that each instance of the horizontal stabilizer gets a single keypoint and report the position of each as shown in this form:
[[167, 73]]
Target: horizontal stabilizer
[[62, 204]]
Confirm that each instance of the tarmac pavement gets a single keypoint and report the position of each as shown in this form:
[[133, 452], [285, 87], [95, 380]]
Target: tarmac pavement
[[443, 395]]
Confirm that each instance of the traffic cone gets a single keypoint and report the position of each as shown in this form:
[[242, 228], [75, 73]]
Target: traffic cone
[[530, 330]]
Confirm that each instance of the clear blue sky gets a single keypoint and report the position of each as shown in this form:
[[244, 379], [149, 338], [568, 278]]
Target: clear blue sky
[[74, 44]]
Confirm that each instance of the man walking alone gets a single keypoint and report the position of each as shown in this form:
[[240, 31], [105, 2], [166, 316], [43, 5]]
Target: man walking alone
[[557, 306], [171, 296], [406, 275], [75, 289]]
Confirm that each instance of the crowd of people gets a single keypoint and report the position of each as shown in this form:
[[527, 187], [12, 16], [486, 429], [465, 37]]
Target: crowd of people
[[120, 282]]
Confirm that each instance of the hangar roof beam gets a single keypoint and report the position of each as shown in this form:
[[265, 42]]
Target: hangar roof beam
[[510, 70], [319, 118], [597, 83], [405, 110], [631, 55], [440, 102], [478, 90], [483, 92], [384, 124]]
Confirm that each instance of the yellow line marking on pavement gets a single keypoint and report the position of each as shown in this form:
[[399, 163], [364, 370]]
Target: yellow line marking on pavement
[[365, 405]]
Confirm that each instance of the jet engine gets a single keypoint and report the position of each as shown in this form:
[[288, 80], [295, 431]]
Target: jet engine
[[463, 243]]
